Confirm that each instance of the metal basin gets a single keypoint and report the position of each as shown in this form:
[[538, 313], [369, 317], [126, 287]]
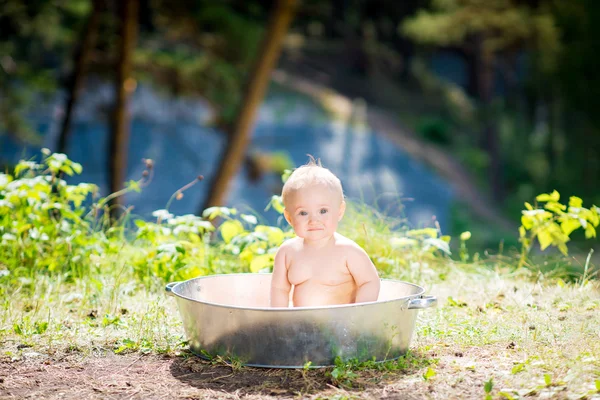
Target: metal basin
[[229, 315]]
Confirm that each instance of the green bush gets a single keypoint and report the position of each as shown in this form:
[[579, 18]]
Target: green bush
[[552, 223], [43, 227]]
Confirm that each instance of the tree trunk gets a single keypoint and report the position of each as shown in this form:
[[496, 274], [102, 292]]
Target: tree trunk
[[124, 85], [75, 81], [491, 140], [237, 143]]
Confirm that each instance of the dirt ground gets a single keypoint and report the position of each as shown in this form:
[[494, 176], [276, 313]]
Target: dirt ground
[[135, 376]]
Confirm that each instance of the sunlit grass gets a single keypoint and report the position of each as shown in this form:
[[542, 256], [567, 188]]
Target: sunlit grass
[[516, 332]]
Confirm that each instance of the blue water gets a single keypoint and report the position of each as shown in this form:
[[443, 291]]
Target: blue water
[[173, 133]]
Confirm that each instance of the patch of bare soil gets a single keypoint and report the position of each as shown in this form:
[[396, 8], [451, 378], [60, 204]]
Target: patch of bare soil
[[146, 377], [135, 376]]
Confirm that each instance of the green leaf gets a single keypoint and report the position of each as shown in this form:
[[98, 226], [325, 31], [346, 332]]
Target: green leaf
[[231, 229], [575, 201], [286, 174], [598, 385], [569, 225], [547, 379], [214, 212], [17, 328], [593, 217], [527, 221], [67, 170], [335, 374], [517, 368], [276, 203], [555, 207], [545, 238], [41, 327], [563, 248], [261, 262], [77, 168], [554, 196], [430, 373], [251, 219], [275, 235], [590, 231], [246, 255], [488, 386], [456, 303]]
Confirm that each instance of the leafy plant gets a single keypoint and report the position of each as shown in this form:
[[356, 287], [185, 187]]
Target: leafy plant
[[343, 374], [487, 388], [429, 374], [42, 220], [553, 224], [254, 244]]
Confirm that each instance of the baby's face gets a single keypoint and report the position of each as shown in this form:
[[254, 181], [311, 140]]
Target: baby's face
[[314, 212]]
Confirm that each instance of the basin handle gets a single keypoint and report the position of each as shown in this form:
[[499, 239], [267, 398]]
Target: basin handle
[[169, 288], [422, 302]]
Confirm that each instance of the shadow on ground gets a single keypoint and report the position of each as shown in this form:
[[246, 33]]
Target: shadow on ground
[[202, 374]]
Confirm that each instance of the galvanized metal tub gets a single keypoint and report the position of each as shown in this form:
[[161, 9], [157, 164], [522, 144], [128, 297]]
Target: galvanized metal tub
[[229, 315]]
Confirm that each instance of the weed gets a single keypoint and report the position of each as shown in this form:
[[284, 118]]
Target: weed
[[487, 388], [429, 374]]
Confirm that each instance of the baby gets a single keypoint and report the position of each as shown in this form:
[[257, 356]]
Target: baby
[[323, 267]]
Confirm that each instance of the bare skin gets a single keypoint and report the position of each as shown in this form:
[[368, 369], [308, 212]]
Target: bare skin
[[338, 273], [324, 267]]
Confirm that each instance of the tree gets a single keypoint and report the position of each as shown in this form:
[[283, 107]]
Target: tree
[[237, 143], [77, 76], [201, 48], [486, 31], [124, 86], [33, 37], [579, 89]]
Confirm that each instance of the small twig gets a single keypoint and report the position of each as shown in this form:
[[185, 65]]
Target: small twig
[[133, 362], [179, 192], [220, 377]]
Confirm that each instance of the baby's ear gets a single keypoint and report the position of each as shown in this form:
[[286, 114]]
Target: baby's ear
[[342, 210], [286, 214]]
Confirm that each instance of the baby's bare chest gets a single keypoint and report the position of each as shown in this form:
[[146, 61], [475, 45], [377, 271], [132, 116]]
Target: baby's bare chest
[[330, 269]]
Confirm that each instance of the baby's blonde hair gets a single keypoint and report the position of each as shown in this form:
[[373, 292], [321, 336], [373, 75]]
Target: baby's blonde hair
[[311, 174]]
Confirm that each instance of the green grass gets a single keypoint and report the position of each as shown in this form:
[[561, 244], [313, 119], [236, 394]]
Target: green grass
[[527, 336]]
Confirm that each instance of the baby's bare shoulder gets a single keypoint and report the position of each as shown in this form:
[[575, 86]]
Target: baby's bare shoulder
[[348, 245], [291, 245]]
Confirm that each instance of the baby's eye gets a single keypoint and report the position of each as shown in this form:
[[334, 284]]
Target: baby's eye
[[303, 213], [324, 211]]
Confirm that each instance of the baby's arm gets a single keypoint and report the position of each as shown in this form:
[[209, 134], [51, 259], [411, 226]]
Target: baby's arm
[[364, 273], [280, 285]]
